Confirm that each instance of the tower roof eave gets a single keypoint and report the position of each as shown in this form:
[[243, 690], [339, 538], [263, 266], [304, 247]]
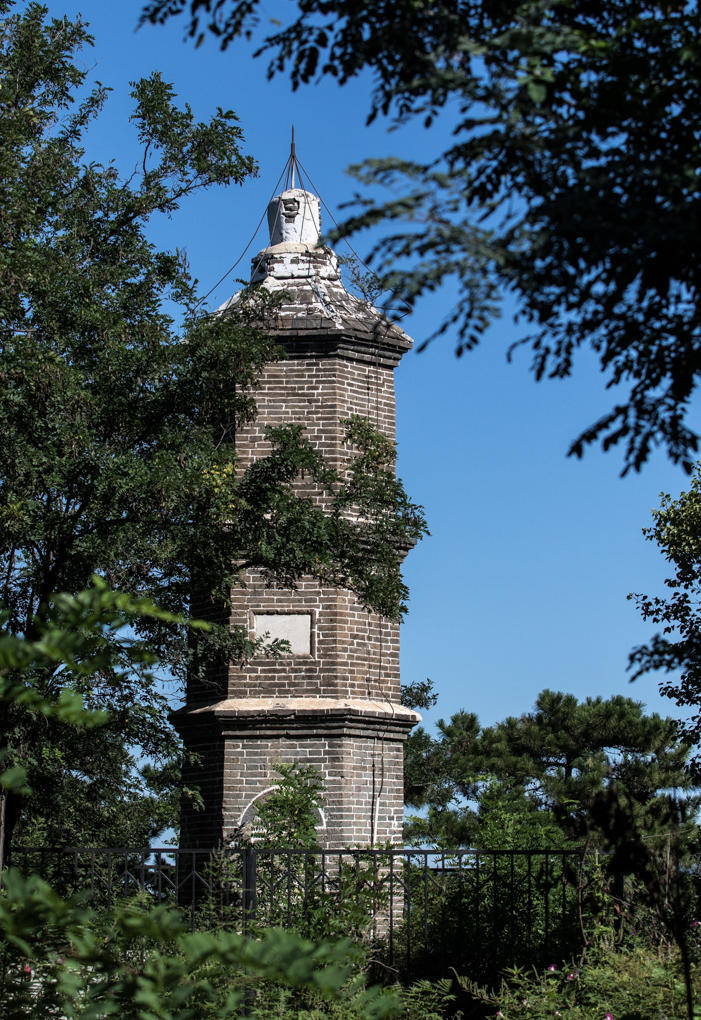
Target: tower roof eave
[[321, 316], [304, 273]]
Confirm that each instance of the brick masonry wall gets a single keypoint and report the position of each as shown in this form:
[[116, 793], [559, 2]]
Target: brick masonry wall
[[318, 392], [362, 774], [203, 827], [353, 654]]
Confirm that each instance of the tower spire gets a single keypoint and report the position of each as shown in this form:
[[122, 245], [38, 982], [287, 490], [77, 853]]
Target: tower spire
[[294, 216], [293, 156]]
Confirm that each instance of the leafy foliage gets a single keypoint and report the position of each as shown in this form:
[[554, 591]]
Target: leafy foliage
[[119, 407], [676, 529], [534, 780], [419, 694], [141, 964], [59, 958], [571, 180], [289, 816], [635, 983], [78, 637]]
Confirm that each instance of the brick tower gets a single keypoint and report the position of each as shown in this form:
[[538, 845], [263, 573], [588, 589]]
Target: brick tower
[[333, 700]]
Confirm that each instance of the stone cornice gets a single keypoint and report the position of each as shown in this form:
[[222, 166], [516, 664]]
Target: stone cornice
[[255, 717], [312, 339], [316, 316]]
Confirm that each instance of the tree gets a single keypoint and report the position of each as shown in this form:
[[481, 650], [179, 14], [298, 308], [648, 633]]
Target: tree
[[288, 817], [62, 958], [571, 181], [676, 529], [119, 415], [78, 636], [535, 780]]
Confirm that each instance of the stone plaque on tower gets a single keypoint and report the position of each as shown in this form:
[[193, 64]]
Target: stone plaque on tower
[[333, 700]]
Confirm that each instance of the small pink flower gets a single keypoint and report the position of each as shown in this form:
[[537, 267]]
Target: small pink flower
[[27, 969], [608, 1017], [694, 924], [552, 967], [572, 975]]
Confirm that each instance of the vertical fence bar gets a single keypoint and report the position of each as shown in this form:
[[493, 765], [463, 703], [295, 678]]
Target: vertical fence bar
[[249, 890], [547, 902], [338, 878], [425, 900], [407, 886], [563, 883], [193, 887], [391, 909], [442, 902], [289, 890], [495, 905], [357, 883], [478, 911], [306, 888], [92, 877], [273, 857], [529, 918], [373, 879], [512, 899]]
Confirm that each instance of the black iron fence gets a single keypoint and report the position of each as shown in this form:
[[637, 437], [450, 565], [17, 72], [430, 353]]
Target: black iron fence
[[476, 911]]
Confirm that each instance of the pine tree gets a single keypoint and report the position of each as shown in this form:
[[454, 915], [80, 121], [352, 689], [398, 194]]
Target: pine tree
[[539, 778]]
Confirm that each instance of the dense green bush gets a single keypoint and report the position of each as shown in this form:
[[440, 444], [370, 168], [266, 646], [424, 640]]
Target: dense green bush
[[638, 982], [481, 913], [61, 959]]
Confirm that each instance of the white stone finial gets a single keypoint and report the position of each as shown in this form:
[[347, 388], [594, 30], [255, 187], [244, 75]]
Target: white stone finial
[[294, 218]]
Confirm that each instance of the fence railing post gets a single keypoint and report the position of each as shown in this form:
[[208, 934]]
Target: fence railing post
[[618, 891], [248, 893]]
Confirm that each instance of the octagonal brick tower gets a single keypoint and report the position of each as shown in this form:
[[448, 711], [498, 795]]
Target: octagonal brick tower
[[333, 701]]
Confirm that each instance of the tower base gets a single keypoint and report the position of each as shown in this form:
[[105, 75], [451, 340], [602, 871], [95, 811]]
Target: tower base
[[356, 746]]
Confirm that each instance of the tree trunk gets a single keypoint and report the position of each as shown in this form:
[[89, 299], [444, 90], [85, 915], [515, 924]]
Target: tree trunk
[[10, 810]]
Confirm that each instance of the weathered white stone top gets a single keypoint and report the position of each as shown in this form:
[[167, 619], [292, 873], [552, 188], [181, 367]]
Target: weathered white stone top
[[294, 217], [294, 252], [306, 272]]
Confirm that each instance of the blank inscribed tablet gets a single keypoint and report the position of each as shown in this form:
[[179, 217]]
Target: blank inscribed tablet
[[293, 627]]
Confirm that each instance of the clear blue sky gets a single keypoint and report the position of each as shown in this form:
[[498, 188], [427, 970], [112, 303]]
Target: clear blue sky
[[523, 582]]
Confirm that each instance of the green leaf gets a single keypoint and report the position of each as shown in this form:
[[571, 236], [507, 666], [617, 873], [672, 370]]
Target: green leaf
[[15, 779], [537, 91]]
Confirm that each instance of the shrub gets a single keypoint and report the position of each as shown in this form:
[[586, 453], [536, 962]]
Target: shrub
[[637, 982]]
